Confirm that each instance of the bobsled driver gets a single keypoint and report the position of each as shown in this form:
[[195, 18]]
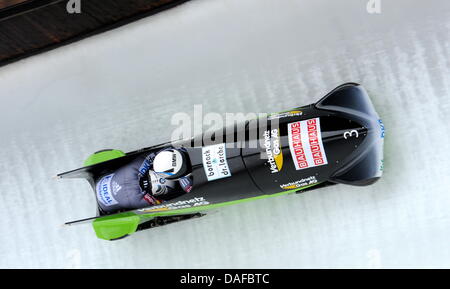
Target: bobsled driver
[[146, 181]]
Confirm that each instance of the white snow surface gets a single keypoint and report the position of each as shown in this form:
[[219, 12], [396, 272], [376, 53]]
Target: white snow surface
[[119, 90]]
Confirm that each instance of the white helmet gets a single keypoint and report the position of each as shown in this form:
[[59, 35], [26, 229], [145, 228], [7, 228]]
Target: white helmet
[[170, 164], [159, 185]]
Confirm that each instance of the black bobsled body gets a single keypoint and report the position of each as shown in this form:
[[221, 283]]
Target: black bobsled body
[[339, 139], [352, 144]]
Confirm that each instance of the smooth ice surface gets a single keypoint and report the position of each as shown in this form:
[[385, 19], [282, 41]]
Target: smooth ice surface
[[120, 89]]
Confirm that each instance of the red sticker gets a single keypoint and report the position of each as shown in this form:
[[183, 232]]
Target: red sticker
[[305, 144]]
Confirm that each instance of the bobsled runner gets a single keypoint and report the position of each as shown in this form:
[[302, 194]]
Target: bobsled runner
[[337, 140]]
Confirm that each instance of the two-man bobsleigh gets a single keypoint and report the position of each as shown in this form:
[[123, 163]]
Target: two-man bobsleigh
[[339, 139]]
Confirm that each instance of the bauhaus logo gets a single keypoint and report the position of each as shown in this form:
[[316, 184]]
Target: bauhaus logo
[[305, 144]]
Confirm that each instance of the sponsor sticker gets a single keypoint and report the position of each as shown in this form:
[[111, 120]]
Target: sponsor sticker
[[305, 144], [151, 200], [215, 162], [104, 192], [285, 114], [145, 166], [273, 150], [300, 183], [381, 128], [194, 202]]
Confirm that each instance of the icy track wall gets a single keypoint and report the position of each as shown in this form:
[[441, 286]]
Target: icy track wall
[[120, 89]]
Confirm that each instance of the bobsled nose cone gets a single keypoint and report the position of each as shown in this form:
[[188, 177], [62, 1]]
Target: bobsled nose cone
[[351, 98], [365, 164]]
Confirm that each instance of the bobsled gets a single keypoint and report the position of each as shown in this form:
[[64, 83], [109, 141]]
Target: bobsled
[[337, 140]]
